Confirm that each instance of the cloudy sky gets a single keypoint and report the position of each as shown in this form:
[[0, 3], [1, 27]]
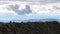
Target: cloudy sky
[[29, 9]]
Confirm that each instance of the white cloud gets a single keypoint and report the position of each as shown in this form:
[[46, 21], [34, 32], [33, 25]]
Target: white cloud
[[38, 11]]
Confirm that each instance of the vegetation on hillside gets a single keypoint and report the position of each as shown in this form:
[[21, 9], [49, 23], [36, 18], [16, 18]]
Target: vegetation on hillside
[[52, 27]]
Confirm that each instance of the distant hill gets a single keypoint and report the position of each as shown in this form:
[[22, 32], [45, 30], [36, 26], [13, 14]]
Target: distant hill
[[37, 20]]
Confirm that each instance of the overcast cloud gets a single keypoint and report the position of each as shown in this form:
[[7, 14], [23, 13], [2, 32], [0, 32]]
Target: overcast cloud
[[33, 9], [36, 1]]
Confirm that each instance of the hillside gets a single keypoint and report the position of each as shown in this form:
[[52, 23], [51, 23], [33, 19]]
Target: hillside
[[52, 27]]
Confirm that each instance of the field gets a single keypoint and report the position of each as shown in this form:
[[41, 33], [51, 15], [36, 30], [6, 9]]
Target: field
[[52, 27]]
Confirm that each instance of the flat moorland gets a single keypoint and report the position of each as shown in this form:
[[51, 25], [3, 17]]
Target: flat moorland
[[52, 27]]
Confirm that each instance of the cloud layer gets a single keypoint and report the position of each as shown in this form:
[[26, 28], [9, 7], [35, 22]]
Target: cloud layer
[[29, 10], [33, 1], [26, 10]]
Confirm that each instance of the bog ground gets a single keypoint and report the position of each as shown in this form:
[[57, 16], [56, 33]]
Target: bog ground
[[30, 28]]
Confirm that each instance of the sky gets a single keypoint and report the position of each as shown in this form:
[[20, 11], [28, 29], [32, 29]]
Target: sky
[[29, 9]]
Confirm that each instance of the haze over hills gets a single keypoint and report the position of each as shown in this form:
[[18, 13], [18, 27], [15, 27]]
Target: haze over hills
[[37, 20]]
